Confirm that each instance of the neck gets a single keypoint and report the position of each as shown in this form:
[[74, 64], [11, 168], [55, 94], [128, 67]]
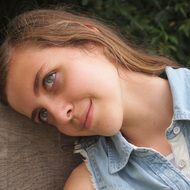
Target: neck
[[147, 110]]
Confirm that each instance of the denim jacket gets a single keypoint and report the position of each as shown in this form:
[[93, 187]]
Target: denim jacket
[[115, 164]]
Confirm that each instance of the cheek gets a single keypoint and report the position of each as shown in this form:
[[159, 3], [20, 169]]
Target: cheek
[[92, 80], [79, 84], [72, 130], [65, 129], [110, 117]]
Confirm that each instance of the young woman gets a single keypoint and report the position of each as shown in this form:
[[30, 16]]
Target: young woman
[[132, 108]]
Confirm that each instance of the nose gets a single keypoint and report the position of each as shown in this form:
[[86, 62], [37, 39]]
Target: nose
[[61, 112]]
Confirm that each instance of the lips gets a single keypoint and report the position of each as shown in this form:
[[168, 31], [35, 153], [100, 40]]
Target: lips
[[87, 117]]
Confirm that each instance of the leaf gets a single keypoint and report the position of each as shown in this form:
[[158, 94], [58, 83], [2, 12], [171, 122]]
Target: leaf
[[185, 28], [173, 39], [84, 2]]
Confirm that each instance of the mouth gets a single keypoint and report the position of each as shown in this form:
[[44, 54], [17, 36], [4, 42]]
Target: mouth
[[86, 122]]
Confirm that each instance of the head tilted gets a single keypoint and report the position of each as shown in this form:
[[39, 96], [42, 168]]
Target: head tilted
[[58, 28]]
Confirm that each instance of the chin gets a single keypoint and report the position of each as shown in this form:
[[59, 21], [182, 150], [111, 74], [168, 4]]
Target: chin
[[111, 132]]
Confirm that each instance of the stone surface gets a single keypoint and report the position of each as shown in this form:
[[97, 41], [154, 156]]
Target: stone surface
[[33, 156]]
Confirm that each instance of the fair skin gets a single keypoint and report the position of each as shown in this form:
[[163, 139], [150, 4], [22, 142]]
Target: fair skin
[[84, 94]]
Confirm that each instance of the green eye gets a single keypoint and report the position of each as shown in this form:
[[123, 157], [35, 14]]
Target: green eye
[[43, 115], [49, 80]]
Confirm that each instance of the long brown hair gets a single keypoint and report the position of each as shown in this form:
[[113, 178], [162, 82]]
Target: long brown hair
[[59, 28]]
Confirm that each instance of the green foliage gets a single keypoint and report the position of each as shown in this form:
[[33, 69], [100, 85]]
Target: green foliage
[[161, 26]]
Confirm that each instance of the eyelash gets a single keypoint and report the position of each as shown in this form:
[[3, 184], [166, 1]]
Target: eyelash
[[48, 83]]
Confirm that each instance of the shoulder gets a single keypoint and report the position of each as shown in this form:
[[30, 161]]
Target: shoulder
[[79, 179]]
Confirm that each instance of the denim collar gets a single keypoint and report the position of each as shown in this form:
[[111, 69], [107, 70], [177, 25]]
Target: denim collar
[[119, 151], [179, 81]]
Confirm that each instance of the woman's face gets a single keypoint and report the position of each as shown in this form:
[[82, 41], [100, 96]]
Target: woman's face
[[76, 90]]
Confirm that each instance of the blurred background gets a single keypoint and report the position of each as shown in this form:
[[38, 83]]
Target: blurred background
[[160, 26]]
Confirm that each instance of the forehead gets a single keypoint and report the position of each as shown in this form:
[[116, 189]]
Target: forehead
[[23, 67]]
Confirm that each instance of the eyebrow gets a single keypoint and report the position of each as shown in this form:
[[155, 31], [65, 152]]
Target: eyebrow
[[37, 82], [36, 87]]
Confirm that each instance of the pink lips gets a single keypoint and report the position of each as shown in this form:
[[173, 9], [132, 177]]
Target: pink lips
[[87, 118]]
